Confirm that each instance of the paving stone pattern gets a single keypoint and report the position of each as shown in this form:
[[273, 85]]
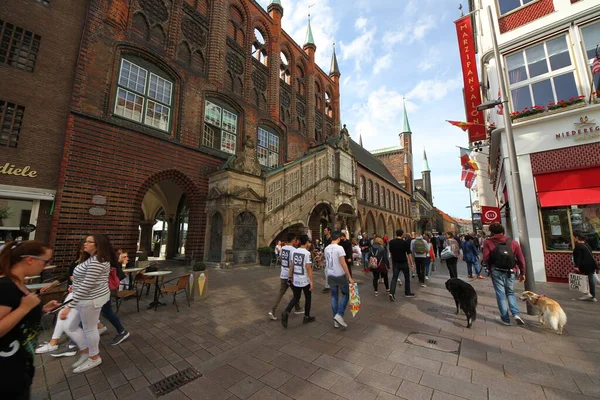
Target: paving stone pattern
[[243, 355]]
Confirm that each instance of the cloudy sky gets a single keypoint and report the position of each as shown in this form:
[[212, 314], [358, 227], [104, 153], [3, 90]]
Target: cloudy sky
[[388, 49]]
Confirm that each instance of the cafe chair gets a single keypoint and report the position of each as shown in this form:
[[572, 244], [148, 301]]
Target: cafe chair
[[146, 281], [181, 286], [127, 294]]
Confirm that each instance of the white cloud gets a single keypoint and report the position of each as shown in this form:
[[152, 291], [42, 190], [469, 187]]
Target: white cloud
[[426, 65], [360, 49], [361, 23], [410, 32], [434, 89], [383, 62]]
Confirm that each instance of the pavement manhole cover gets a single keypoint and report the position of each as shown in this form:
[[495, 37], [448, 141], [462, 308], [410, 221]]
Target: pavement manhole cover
[[433, 342], [174, 381]]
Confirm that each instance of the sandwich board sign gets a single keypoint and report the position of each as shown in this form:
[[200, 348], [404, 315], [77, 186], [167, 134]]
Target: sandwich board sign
[[579, 282]]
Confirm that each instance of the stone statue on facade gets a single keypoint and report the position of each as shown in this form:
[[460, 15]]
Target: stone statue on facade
[[344, 142], [246, 160]]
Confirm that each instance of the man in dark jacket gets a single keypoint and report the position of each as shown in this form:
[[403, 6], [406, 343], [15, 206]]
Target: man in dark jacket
[[347, 246], [503, 276], [365, 246]]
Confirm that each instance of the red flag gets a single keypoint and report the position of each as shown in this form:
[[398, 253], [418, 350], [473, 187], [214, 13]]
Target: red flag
[[462, 125], [465, 158], [500, 107], [596, 65], [470, 179], [463, 175]]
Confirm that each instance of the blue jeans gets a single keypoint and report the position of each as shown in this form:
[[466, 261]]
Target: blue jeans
[[504, 286], [339, 307], [427, 266], [470, 266], [365, 259], [109, 314]]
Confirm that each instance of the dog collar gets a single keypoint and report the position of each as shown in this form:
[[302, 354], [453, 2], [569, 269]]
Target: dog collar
[[538, 299]]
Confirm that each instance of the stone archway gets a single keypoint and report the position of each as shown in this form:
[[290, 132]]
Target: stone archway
[[370, 224], [381, 229], [345, 218], [320, 217], [245, 235], [173, 194]]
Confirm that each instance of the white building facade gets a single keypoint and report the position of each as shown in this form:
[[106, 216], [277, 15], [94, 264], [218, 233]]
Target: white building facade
[[547, 48]]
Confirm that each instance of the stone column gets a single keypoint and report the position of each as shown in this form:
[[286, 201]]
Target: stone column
[[171, 237], [146, 236]]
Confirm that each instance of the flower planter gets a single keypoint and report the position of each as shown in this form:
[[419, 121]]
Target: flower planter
[[527, 118], [265, 259], [571, 107]]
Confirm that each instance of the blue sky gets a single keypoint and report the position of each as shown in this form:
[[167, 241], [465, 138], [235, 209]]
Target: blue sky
[[388, 49]]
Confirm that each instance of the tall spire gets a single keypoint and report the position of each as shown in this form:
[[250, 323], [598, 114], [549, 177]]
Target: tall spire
[[334, 70], [360, 139], [405, 124], [425, 162], [309, 35]]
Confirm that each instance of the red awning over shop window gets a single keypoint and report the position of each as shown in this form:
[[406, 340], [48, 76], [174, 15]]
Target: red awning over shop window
[[581, 186]]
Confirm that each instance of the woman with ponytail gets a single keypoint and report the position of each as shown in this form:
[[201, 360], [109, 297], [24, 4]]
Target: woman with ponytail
[[20, 314]]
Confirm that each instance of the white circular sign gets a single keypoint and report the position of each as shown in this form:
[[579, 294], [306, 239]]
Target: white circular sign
[[491, 215]]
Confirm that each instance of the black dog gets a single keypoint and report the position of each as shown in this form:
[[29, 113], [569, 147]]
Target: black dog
[[465, 297]]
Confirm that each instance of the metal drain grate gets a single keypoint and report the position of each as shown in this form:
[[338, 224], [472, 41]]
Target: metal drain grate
[[174, 381], [432, 341]]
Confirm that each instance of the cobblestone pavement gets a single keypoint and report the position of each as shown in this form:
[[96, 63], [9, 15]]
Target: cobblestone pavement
[[242, 354]]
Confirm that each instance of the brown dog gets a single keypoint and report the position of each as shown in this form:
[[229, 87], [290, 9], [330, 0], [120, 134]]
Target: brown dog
[[549, 310]]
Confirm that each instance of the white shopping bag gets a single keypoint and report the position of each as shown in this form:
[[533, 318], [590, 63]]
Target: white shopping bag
[[579, 282]]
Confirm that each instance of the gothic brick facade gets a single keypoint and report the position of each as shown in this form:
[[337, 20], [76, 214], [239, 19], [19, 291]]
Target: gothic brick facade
[[205, 50]]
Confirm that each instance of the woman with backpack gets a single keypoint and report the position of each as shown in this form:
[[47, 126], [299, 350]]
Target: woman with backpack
[[379, 263], [585, 263], [471, 257], [452, 261]]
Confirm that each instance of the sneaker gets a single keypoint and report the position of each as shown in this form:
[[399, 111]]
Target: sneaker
[[426, 278], [307, 320], [392, 297], [594, 299], [413, 276], [409, 295], [587, 297], [284, 319], [102, 330], [376, 294], [503, 322], [82, 358], [272, 316], [119, 338], [470, 276], [519, 320], [67, 351], [87, 365], [335, 324], [481, 277], [423, 285], [325, 290], [46, 348], [299, 311], [399, 282], [340, 320]]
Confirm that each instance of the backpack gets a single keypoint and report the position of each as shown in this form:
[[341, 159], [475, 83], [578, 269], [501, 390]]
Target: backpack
[[113, 279], [503, 257], [420, 247], [373, 261]]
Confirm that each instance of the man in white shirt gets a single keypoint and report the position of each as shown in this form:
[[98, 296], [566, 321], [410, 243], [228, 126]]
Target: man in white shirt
[[286, 257], [338, 277], [301, 278]]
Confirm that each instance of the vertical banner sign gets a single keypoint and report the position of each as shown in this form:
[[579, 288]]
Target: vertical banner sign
[[466, 47]]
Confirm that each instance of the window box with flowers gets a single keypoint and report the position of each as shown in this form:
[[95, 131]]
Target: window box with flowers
[[527, 113], [562, 105]]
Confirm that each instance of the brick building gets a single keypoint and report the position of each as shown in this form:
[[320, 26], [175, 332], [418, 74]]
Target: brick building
[[35, 58]]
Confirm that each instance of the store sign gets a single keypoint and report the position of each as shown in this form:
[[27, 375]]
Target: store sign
[[466, 48], [585, 129], [490, 215], [11, 169]]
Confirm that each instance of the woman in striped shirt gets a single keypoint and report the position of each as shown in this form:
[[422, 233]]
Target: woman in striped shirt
[[90, 293]]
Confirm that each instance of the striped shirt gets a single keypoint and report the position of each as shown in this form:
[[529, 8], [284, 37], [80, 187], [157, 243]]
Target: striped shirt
[[90, 280]]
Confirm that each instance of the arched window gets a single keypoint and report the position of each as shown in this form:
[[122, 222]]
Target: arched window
[[318, 96], [259, 50], [144, 94], [382, 201], [370, 191], [328, 105], [389, 203], [363, 188], [376, 197], [393, 202], [284, 69], [300, 80], [267, 148], [220, 127]]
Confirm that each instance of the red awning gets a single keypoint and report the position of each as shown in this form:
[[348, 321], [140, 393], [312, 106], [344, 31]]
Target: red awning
[[566, 188], [570, 197]]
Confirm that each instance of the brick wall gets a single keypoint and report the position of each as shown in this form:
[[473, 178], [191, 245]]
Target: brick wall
[[530, 12], [394, 161], [45, 92]]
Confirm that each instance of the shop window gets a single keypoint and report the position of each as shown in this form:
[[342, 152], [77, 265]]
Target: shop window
[[506, 6], [11, 118], [220, 128], [18, 47], [143, 96], [14, 213], [267, 148], [591, 38], [559, 224], [541, 74]]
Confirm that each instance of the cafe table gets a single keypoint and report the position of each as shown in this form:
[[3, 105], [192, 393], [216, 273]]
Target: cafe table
[[157, 274], [36, 286], [130, 271]]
